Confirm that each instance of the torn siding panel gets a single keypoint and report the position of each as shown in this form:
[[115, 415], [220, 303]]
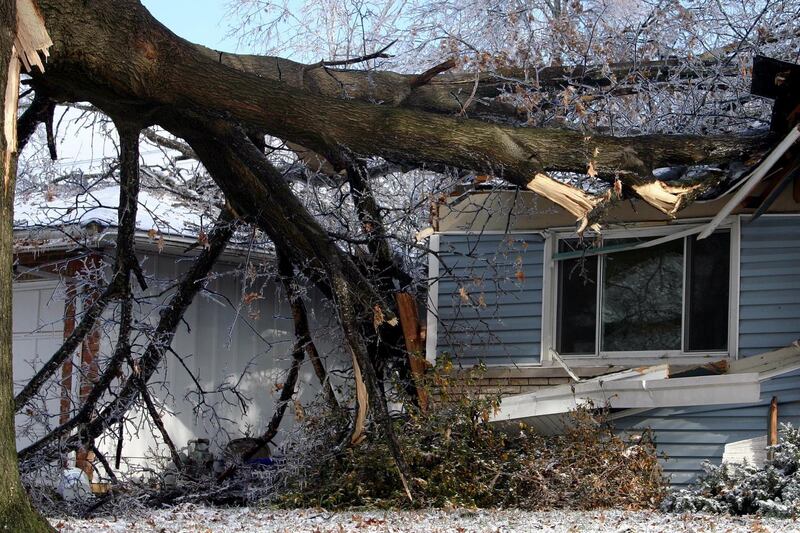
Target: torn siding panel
[[690, 435], [490, 298], [769, 314]]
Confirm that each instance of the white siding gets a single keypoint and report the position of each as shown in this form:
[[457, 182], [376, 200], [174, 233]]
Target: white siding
[[254, 353], [37, 323]]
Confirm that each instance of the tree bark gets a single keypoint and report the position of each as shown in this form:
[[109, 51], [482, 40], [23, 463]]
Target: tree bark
[[16, 512], [259, 194], [40, 110], [445, 93]]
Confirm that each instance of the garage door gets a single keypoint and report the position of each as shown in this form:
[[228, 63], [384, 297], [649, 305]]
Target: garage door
[[38, 315]]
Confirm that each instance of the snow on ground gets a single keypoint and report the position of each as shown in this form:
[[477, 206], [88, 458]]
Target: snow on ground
[[197, 519]]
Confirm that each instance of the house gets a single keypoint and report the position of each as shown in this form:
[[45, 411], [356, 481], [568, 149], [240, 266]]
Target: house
[[235, 341], [691, 337]]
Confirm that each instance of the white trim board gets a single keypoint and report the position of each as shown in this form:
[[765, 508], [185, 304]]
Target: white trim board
[[650, 388], [432, 300], [633, 394]]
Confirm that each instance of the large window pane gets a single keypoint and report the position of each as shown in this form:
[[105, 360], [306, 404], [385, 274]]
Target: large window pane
[[577, 304], [707, 295], [643, 298]]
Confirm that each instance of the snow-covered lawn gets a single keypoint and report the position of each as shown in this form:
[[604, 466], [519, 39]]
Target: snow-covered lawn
[[190, 518]]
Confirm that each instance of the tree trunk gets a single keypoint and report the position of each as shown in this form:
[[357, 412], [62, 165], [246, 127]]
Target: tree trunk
[[16, 512]]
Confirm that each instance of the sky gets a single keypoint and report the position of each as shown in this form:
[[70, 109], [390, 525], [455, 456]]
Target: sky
[[199, 21]]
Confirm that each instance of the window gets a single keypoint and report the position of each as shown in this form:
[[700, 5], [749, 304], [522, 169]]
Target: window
[[672, 297]]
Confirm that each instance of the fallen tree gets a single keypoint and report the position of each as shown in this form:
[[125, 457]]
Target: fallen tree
[[113, 54], [134, 59]]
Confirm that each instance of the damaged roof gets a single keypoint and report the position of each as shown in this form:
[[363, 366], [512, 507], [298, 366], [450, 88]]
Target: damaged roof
[[721, 383]]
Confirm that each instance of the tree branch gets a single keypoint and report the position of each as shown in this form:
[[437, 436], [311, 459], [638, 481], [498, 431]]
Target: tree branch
[[428, 75], [302, 340], [123, 264], [380, 54], [39, 111]]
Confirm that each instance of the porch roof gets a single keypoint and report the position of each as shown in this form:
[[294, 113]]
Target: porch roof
[[737, 382]]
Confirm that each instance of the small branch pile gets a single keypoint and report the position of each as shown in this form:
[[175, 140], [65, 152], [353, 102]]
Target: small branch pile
[[456, 459]]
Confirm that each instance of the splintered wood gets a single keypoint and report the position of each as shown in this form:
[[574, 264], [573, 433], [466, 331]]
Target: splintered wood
[[415, 344], [574, 200], [10, 101], [362, 399], [668, 199], [32, 36]]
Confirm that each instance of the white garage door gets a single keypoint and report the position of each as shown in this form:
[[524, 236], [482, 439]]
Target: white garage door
[[38, 325]]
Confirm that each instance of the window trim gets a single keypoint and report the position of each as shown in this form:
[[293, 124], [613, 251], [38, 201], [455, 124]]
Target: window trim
[[552, 283]]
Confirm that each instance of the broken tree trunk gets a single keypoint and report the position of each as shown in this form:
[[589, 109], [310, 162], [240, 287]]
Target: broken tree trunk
[[18, 30]]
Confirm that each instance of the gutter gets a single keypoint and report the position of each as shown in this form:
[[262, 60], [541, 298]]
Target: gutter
[[175, 245]]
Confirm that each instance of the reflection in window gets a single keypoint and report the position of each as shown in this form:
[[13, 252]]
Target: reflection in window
[[643, 298], [673, 296]]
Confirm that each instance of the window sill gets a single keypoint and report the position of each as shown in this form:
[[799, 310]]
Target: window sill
[[642, 359]]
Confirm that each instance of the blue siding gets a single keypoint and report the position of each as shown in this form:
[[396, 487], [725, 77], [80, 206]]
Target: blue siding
[[769, 296], [689, 435], [490, 298], [769, 318]]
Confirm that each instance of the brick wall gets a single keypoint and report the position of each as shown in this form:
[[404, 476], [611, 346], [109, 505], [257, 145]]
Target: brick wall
[[508, 381]]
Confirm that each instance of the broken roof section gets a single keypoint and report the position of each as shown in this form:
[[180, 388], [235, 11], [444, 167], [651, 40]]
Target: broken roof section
[[721, 383]]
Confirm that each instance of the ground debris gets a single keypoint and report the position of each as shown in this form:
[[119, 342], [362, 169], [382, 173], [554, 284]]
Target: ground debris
[[194, 519]]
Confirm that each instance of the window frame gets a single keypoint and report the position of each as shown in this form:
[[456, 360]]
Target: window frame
[[553, 286]]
